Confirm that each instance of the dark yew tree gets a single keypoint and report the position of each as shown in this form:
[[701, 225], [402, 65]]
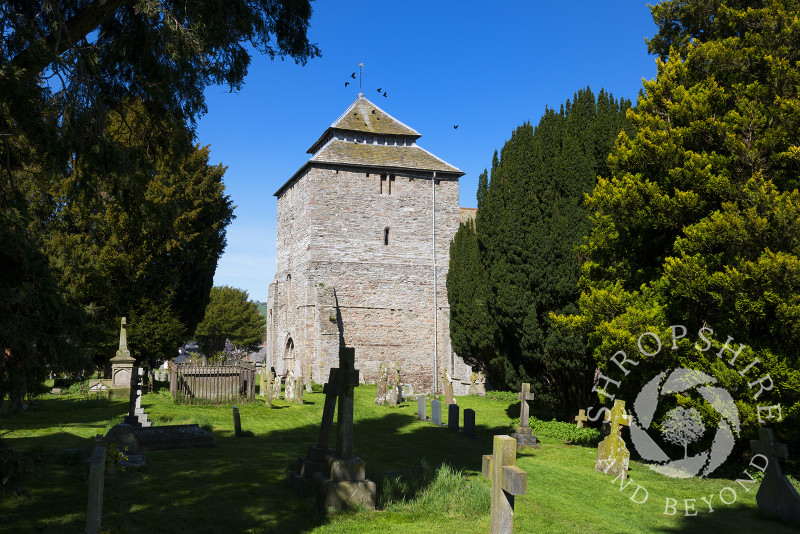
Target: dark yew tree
[[530, 220]]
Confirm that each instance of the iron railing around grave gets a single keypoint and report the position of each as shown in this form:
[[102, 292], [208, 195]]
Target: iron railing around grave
[[212, 383]]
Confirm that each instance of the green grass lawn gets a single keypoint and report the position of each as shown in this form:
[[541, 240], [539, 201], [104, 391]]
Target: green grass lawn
[[240, 485]]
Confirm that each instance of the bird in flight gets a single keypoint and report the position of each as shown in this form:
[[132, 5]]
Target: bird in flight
[[384, 93], [353, 75], [379, 89], [455, 126], [346, 84]]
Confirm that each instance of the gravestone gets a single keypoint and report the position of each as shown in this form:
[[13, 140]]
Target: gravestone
[[612, 454], [436, 412], [422, 408], [136, 415], [276, 388], [237, 422], [447, 381], [341, 481], [480, 384], [122, 364], [777, 498], [97, 468], [469, 423], [288, 390], [268, 393], [524, 435], [395, 394], [308, 382], [298, 390], [473, 390], [507, 479], [262, 388], [452, 417], [383, 377], [580, 418]]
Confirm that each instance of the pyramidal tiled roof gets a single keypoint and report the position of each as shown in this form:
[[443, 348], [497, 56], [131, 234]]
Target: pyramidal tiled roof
[[364, 116], [367, 136]]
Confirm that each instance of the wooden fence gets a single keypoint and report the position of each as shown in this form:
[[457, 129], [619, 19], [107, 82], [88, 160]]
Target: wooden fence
[[212, 383]]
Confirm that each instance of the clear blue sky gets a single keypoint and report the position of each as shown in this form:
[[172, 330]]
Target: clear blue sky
[[485, 67]]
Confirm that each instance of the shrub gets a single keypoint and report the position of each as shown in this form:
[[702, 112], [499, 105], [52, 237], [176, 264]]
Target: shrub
[[561, 430], [505, 396]]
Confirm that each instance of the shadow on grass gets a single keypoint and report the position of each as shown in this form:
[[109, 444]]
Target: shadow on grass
[[723, 520], [240, 485]]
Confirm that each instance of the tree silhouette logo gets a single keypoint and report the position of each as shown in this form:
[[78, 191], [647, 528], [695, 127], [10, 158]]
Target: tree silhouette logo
[[682, 426]]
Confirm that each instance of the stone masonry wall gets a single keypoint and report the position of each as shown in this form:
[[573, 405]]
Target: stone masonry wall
[[331, 238]]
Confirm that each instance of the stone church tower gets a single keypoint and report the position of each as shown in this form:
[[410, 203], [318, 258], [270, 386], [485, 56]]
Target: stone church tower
[[355, 236]]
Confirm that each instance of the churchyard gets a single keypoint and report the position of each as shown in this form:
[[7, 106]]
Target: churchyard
[[429, 478]]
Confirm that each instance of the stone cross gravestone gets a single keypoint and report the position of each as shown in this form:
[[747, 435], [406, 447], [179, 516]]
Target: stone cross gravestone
[[612, 454], [308, 382], [97, 468], [777, 498], [288, 390], [136, 416], [507, 479], [436, 412], [276, 388], [452, 417], [480, 384], [580, 418], [524, 434], [422, 408], [383, 377], [469, 423], [447, 381], [473, 390], [343, 481]]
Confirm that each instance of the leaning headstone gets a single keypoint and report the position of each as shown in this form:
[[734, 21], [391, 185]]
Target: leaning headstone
[[268, 393], [237, 422], [452, 417], [524, 435], [309, 389], [94, 512], [469, 422], [276, 388], [777, 498], [436, 412], [480, 384], [422, 408], [447, 381], [383, 377], [288, 390], [580, 418], [343, 481], [473, 390], [136, 415], [507, 479], [612, 454]]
